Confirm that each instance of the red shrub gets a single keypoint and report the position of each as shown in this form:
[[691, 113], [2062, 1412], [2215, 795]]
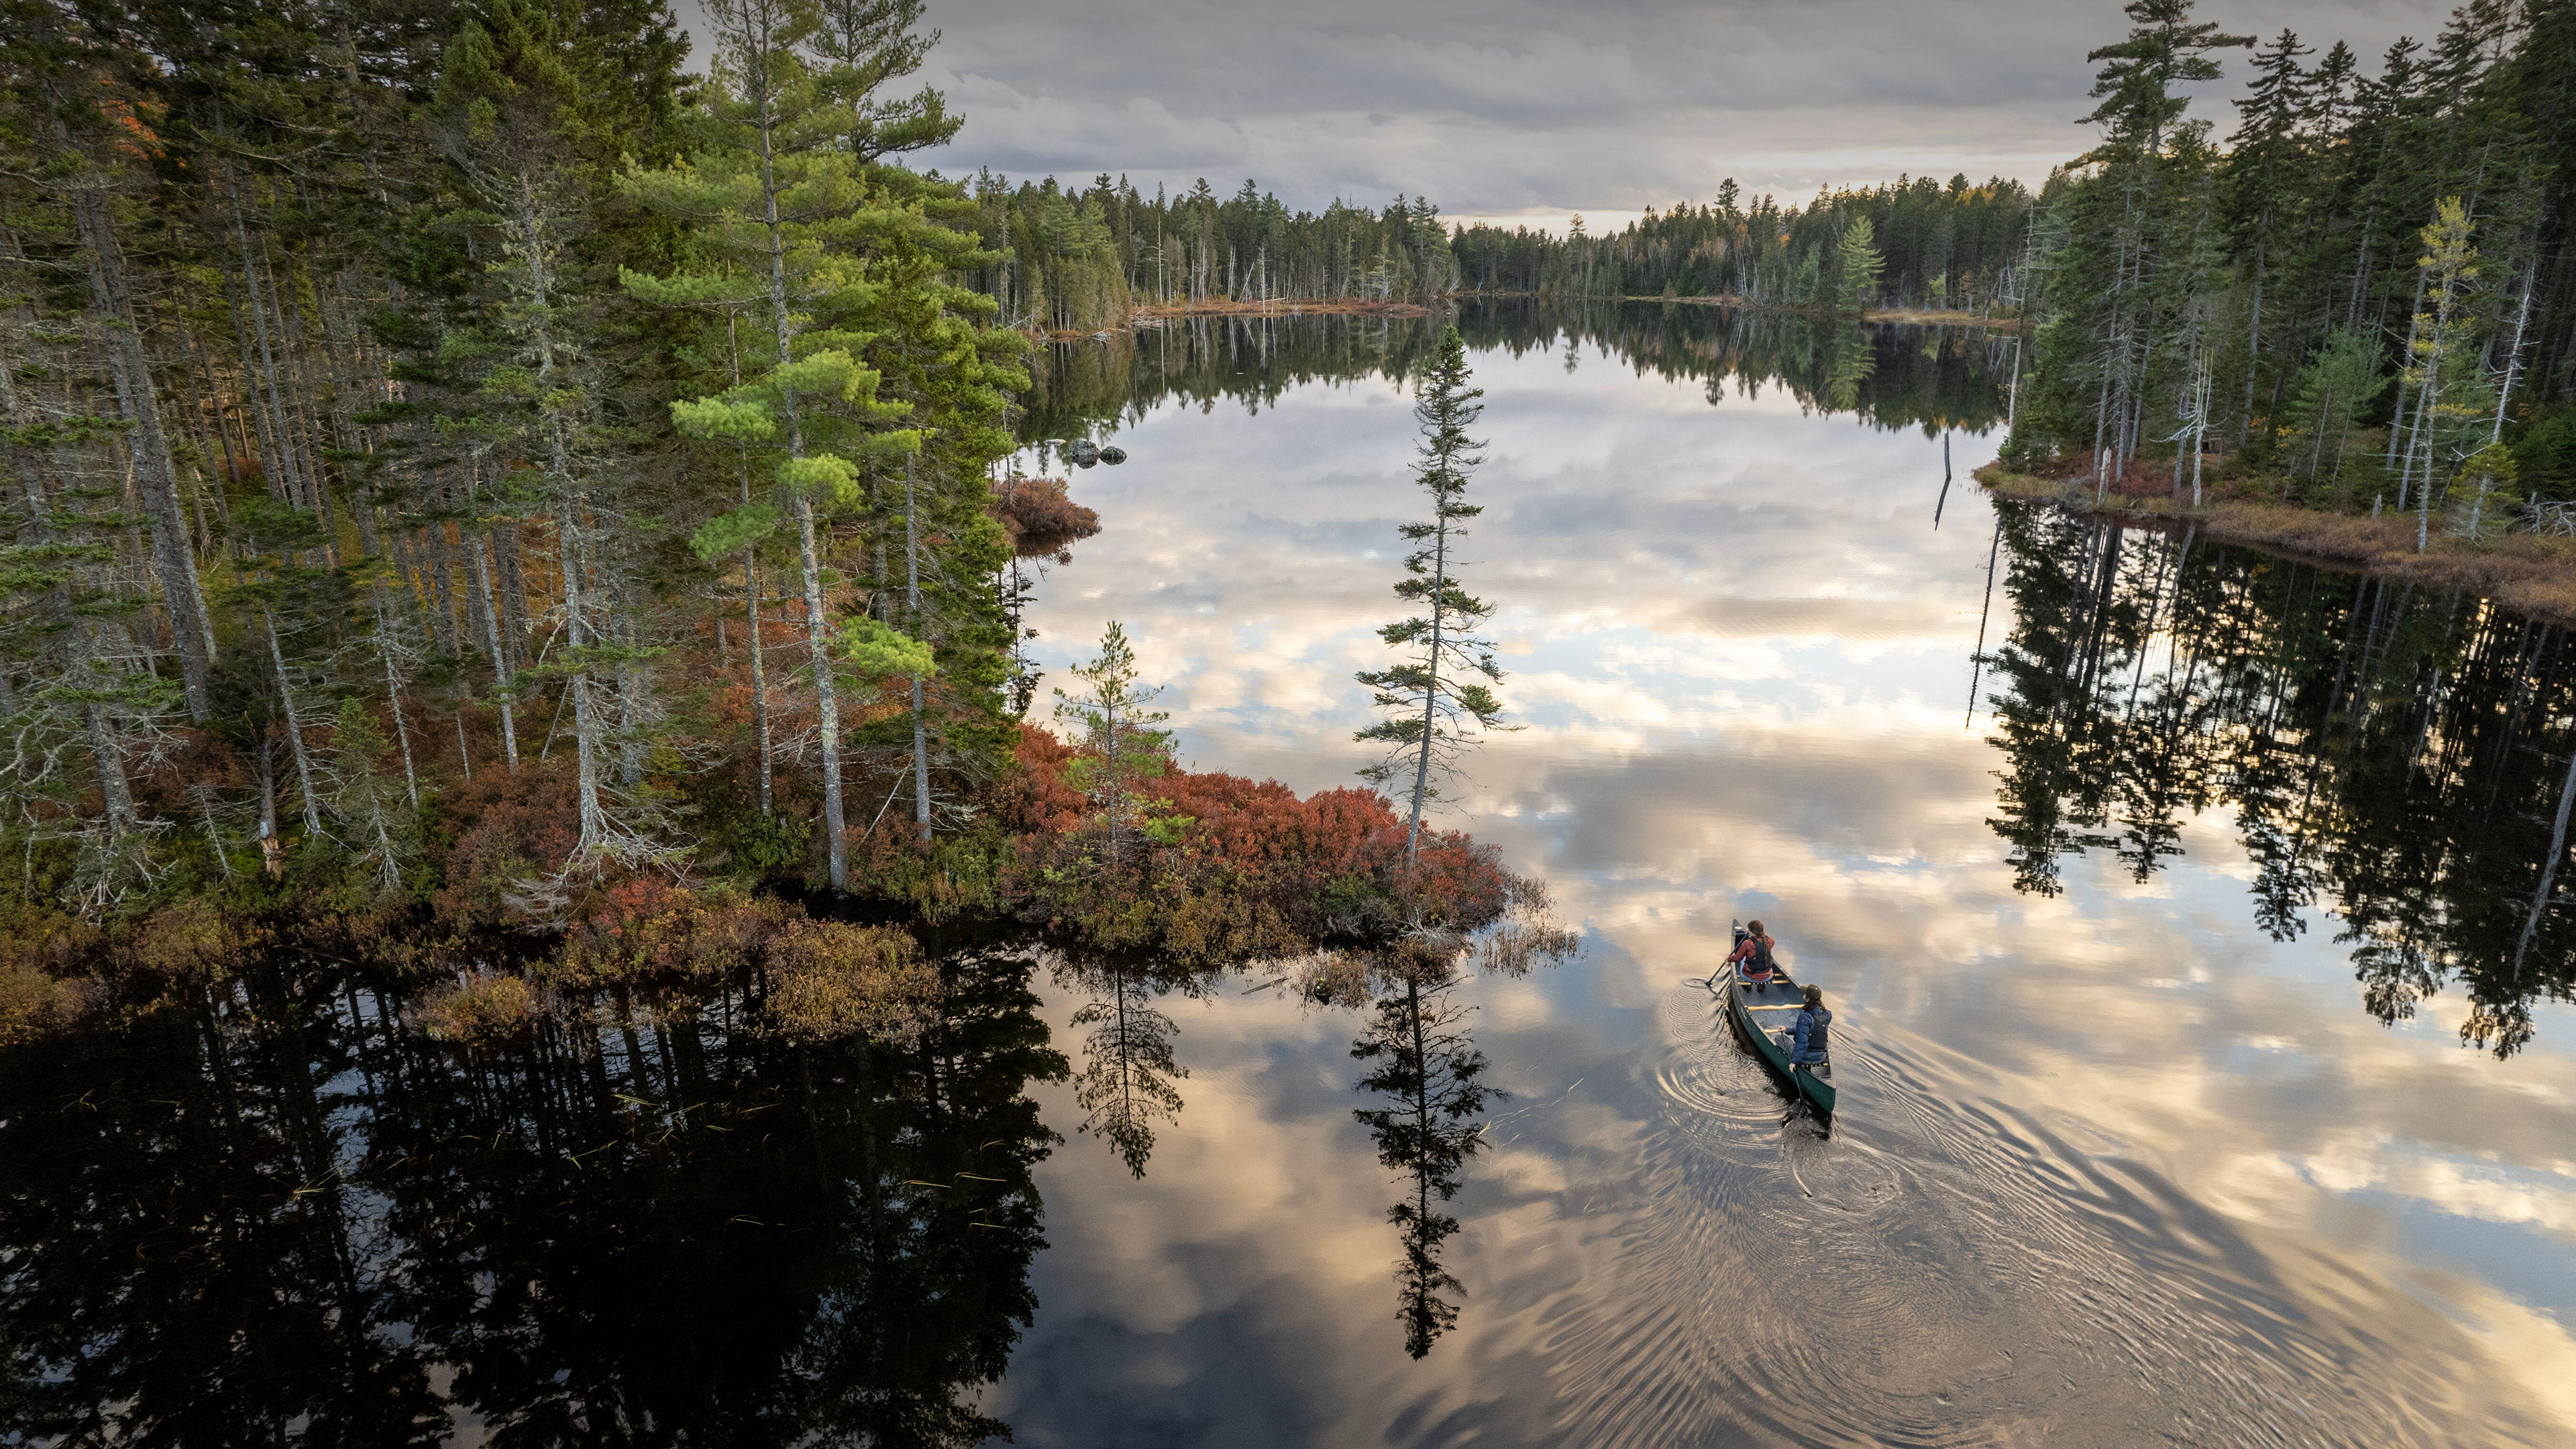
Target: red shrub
[[1041, 516], [1035, 797], [1258, 871], [505, 829]]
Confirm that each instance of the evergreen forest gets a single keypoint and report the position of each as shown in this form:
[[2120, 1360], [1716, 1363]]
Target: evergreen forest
[[1067, 259], [481, 495], [2353, 286], [1916, 243]]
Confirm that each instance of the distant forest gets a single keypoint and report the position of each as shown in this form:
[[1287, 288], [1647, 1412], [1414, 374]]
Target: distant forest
[[1068, 260], [1080, 259], [1915, 243]]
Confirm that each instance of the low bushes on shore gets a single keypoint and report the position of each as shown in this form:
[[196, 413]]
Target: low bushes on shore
[[494, 932]]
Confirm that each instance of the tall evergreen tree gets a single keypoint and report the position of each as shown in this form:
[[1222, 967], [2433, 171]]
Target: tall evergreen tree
[[1439, 695], [523, 131], [1856, 266], [771, 192], [2261, 171]]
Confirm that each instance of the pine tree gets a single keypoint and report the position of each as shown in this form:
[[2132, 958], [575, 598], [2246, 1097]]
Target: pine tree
[[2337, 385], [938, 354], [1439, 693], [2442, 367], [771, 194], [1857, 265], [2261, 172], [2118, 349], [1120, 748]]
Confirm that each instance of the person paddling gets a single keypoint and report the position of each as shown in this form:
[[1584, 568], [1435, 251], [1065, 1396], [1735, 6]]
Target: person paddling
[[1752, 958], [1811, 1038]]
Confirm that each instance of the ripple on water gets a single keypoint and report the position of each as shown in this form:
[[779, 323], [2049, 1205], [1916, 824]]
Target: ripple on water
[[1947, 1269]]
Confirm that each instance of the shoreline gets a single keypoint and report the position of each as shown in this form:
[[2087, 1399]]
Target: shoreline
[[1917, 316], [1156, 313], [1160, 312], [2530, 575]]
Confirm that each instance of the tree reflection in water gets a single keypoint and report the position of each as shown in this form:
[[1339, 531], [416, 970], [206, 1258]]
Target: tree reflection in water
[[1124, 1085], [1849, 362], [1423, 1062], [300, 1220], [2400, 756], [1914, 377]]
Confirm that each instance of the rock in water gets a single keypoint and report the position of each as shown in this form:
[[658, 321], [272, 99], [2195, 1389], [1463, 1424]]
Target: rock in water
[[1085, 453], [1113, 456]]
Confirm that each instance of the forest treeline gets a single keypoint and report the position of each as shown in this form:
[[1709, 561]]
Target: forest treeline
[[1915, 243], [2357, 292], [1068, 259], [1081, 259], [469, 482]]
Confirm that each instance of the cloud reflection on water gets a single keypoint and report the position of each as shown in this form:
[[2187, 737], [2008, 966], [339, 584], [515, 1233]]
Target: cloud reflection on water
[[1742, 657]]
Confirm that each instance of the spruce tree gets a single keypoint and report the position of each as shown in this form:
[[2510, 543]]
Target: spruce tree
[[1857, 265], [938, 355], [514, 117], [2334, 388], [2262, 171], [1120, 747], [1439, 695], [771, 193]]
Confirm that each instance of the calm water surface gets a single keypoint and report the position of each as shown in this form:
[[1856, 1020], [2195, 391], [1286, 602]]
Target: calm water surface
[[2205, 1074]]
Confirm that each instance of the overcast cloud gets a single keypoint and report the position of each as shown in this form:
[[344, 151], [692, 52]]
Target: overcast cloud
[[1515, 107]]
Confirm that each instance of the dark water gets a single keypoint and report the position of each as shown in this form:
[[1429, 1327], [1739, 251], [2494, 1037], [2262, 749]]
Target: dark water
[[2203, 1049]]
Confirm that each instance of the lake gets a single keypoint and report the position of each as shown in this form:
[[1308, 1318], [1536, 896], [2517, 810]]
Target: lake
[[2189, 916]]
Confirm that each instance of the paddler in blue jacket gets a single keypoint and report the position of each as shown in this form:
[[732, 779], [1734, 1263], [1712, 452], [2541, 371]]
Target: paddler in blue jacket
[[1811, 1037]]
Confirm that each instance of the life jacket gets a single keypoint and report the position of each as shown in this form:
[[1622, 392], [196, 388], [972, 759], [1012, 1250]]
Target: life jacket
[[1759, 963], [1819, 1022]]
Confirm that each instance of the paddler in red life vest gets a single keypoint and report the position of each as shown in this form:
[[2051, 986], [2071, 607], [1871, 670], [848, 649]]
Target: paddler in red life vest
[[1752, 958]]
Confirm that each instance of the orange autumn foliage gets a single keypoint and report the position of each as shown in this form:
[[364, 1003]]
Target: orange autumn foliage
[[1258, 871]]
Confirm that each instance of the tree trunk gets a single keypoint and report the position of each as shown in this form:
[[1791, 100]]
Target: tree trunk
[[109, 757], [294, 729], [826, 701], [502, 674], [912, 604], [156, 478], [1431, 685], [393, 694]]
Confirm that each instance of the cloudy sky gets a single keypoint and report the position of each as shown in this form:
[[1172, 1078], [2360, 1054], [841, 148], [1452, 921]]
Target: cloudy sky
[[1516, 108]]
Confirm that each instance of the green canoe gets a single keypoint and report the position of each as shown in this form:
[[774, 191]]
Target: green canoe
[[1757, 1012]]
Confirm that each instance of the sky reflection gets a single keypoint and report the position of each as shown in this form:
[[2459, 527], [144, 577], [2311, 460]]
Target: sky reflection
[[2108, 1159]]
